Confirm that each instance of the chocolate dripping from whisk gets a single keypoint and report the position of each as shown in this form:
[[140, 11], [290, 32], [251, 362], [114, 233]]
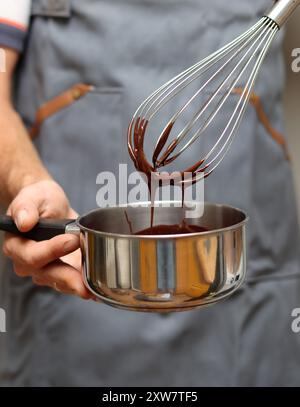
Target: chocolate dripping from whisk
[[138, 156], [136, 148], [161, 143]]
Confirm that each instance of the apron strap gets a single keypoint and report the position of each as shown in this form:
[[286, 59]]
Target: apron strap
[[255, 101], [58, 103]]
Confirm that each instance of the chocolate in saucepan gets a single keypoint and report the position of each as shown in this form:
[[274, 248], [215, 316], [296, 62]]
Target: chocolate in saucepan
[[181, 229]]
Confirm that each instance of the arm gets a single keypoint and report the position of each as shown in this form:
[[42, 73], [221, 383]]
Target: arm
[[19, 161], [31, 193]]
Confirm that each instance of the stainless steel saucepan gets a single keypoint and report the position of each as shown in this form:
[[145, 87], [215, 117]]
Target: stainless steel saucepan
[[155, 273]]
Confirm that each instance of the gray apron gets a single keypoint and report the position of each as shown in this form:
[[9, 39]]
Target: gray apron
[[126, 49]]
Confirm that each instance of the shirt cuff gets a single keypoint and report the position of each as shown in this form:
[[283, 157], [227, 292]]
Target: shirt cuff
[[12, 36]]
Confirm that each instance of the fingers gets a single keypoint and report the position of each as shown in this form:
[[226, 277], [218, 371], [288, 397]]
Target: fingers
[[63, 278], [36, 255], [39, 261], [55, 262]]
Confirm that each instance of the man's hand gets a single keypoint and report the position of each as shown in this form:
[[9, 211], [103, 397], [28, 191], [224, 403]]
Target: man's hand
[[56, 262], [27, 184]]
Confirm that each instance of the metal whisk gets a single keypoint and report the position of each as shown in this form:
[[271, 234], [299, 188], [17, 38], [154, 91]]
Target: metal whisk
[[211, 81]]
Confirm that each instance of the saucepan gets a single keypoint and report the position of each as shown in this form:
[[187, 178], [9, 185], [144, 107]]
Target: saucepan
[[162, 273]]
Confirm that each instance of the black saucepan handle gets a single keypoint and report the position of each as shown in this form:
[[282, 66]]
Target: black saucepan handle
[[45, 229]]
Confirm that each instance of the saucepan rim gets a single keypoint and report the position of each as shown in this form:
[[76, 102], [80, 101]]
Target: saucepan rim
[[162, 237]]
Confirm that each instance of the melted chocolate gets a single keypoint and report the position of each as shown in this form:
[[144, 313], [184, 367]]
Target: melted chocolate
[[182, 229], [128, 222], [138, 156]]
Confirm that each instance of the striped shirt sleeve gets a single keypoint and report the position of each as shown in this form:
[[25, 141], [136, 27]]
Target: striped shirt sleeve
[[14, 19]]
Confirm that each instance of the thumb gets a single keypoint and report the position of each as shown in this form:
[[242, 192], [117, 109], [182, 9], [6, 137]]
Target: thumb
[[25, 209]]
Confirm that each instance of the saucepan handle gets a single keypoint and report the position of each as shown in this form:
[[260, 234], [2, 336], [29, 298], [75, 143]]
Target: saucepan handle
[[45, 229]]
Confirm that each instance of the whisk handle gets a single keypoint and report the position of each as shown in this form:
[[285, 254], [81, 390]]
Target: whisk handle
[[282, 10]]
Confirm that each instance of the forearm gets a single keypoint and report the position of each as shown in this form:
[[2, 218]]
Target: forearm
[[20, 164]]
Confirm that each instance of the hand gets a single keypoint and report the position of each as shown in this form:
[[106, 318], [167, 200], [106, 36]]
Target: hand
[[56, 262]]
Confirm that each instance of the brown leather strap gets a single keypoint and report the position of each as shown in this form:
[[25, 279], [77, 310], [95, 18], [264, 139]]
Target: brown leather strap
[[56, 104], [263, 118]]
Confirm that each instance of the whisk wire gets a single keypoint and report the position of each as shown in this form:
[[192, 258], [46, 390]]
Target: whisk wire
[[254, 43], [245, 98], [204, 107], [264, 34], [152, 100]]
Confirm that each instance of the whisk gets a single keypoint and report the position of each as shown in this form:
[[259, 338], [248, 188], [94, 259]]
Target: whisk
[[216, 77]]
